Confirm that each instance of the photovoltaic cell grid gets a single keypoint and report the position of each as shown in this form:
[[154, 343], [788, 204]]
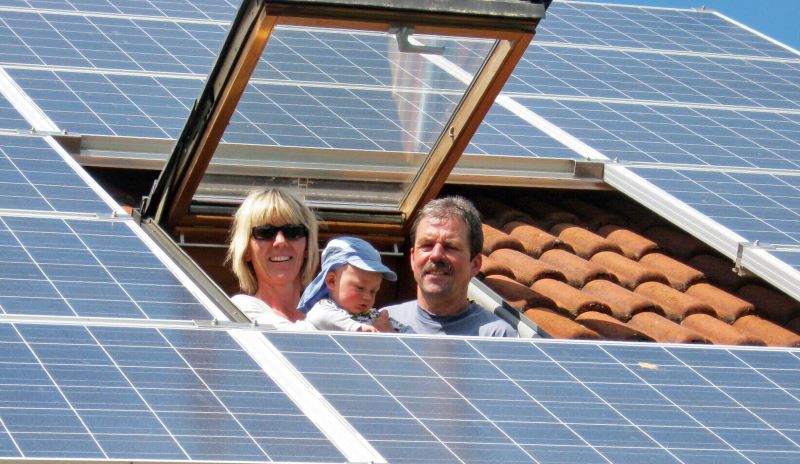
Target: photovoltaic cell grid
[[559, 71], [158, 46], [763, 207], [679, 135], [443, 400], [223, 10], [10, 119], [74, 392], [34, 177], [58, 267], [650, 28]]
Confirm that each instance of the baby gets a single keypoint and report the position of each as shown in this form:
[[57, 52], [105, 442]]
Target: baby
[[342, 295]]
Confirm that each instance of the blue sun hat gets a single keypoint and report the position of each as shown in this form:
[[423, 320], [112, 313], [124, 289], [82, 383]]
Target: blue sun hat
[[340, 251]]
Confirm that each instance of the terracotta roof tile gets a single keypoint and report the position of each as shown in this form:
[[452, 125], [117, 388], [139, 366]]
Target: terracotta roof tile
[[568, 298], [490, 266], [559, 326], [718, 332], [728, 307], [527, 270], [663, 330], [770, 304], [516, 294], [705, 294], [496, 213], [771, 333], [585, 243], [577, 270], [676, 305], [633, 245], [719, 271], [494, 239], [679, 275], [543, 212], [535, 240], [623, 303], [609, 327], [676, 243], [628, 272]]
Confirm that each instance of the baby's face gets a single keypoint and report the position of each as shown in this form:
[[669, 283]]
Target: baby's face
[[354, 289]]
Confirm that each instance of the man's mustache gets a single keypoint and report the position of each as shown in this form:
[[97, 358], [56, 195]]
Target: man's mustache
[[437, 266]]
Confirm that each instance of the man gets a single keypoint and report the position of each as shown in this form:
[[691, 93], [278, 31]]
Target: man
[[445, 255]]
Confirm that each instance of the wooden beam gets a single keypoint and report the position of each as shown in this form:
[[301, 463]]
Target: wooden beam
[[466, 119]]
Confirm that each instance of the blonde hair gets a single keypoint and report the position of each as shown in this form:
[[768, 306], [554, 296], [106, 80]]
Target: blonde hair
[[269, 206]]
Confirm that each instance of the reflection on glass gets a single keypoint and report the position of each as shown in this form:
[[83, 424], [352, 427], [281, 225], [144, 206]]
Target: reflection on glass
[[345, 116]]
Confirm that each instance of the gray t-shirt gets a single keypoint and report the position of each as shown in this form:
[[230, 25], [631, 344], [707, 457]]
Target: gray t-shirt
[[474, 321]]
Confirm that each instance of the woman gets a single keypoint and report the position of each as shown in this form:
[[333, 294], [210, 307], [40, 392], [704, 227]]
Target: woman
[[274, 253]]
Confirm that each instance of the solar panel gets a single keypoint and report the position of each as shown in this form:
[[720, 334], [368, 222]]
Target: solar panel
[[470, 400], [678, 134], [610, 73], [651, 28], [189, 9], [10, 118], [34, 177], [88, 268], [78, 392]]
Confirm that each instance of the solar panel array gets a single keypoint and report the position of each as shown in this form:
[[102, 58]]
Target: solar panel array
[[456, 400], [691, 105]]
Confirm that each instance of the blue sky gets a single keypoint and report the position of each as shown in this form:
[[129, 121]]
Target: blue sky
[[779, 19]]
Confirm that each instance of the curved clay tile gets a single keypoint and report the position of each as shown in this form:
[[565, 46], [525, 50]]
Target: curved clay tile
[[633, 245], [663, 330], [676, 243], [497, 213], [623, 303], [568, 298], [676, 305], [526, 270], [543, 212], [679, 275], [770, 303], [585, 243], [719, 271], [494, 239], [628, 272], [577, 270], [719, 332], [516, 294], [591, 215], [490, 266], [771, 333], [533, 239], [609, 327], [558, 326], [728, 307]]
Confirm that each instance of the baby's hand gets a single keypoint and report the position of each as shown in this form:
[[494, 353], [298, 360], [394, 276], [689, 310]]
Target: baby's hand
[[382, 323], [367, 328]]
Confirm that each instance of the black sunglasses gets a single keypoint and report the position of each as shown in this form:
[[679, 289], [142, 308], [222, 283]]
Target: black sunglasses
[[289, 231]]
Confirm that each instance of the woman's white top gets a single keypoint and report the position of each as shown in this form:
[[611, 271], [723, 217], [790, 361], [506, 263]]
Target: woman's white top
[[259, 311]]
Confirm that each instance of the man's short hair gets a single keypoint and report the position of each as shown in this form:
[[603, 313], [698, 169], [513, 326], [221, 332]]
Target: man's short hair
[[454, 207]]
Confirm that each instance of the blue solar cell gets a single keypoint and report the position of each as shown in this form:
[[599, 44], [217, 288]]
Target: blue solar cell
[[649, 402], [188, 9], [756, 206], [93, 391], [87, 268], [36, 178], [559, 71], [649, 28]]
